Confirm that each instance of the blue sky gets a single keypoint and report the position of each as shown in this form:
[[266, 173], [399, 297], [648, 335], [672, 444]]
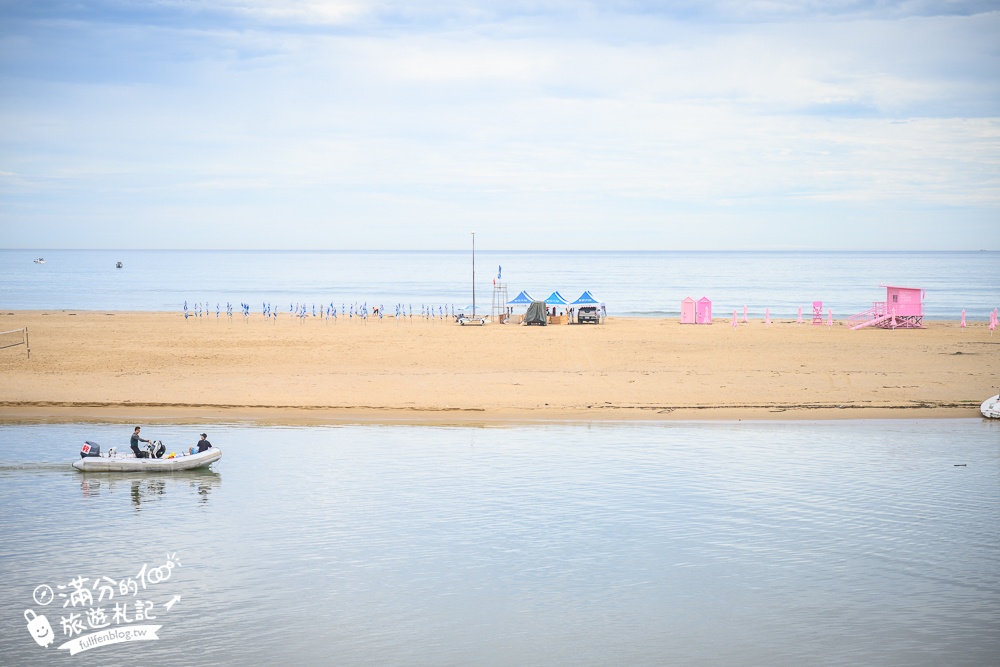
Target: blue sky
[[569, 125]]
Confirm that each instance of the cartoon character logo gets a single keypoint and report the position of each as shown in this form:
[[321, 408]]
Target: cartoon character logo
[[39, 628]]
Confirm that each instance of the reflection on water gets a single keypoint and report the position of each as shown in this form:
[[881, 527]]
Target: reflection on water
[[149, 488]]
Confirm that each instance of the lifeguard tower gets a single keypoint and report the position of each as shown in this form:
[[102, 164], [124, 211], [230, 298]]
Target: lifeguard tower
[[903, 308], [499, 311]]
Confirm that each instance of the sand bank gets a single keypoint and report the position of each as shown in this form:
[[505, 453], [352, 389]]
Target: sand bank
[[150, 366]]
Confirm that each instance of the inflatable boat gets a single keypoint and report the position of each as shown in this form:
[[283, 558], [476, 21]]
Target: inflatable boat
[[91, 460], [991, 407]]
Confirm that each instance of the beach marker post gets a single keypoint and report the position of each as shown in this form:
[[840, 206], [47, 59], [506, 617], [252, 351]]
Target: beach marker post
[[829, 317], [767, 317], [735, 323], [744, 315], [799, 321], [963, 319]]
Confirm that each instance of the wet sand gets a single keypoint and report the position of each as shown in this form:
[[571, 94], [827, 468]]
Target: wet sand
[[159, 366]]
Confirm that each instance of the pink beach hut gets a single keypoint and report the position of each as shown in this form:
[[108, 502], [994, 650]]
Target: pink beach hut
[[903, 308], [689, 311], [704, 310]]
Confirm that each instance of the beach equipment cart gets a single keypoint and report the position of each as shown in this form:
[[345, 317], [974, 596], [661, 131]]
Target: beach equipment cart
[[537, 314]]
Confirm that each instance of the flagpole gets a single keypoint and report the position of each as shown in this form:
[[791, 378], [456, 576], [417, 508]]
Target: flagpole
[[473, 275]]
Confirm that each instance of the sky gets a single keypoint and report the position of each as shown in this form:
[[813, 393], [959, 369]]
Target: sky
[[549, 124]]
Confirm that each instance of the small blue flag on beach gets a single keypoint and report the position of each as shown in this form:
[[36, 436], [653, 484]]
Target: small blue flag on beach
[[499, 271]]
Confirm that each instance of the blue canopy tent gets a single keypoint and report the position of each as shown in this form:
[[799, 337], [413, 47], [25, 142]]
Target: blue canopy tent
[[590, 309], [556, 299], [586, 299], [522, 299]]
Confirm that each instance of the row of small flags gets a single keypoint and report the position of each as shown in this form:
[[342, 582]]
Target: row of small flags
[[302, 311]]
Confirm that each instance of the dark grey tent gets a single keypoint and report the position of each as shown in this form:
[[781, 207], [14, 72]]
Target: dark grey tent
[[536, 313]]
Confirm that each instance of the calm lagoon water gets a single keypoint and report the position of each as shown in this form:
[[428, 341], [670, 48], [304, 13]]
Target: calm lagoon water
[[760, 543]]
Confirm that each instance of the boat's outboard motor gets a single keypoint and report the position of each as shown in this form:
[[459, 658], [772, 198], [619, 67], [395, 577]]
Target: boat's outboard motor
[[90, 449], [156, 449]]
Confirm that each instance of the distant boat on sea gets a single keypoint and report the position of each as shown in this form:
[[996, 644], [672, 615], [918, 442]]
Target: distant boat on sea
[[40, 260], [118, 265]]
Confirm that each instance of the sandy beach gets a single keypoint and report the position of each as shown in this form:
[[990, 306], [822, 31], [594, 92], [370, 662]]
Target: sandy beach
[[148, 366]]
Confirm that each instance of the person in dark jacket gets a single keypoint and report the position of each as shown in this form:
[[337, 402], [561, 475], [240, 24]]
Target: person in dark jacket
[[203, 444], [135, 445]]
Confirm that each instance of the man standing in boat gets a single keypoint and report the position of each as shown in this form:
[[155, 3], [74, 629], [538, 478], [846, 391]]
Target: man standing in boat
[[135, 445], [203, 444]]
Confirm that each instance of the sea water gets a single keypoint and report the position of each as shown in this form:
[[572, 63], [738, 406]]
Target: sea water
[[755, 543], [649, 284]]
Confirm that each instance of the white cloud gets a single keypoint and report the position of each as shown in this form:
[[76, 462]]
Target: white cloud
[[621, 125]]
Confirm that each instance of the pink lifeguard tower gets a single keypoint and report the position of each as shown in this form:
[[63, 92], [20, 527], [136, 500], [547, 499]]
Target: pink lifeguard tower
[[704, 310], [689, 311], [817, 313], [903, 308]]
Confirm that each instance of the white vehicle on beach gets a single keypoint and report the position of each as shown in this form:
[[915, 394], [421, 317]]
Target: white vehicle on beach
[[991, 407]]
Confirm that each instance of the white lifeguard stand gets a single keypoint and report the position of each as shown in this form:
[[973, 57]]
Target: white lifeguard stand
[[499, 310]]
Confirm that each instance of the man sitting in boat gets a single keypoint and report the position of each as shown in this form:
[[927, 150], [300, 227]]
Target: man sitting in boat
[[203, 444], [135, 445]]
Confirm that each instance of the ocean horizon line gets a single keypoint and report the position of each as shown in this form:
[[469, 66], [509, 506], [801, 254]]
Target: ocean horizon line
[[509, 250]]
